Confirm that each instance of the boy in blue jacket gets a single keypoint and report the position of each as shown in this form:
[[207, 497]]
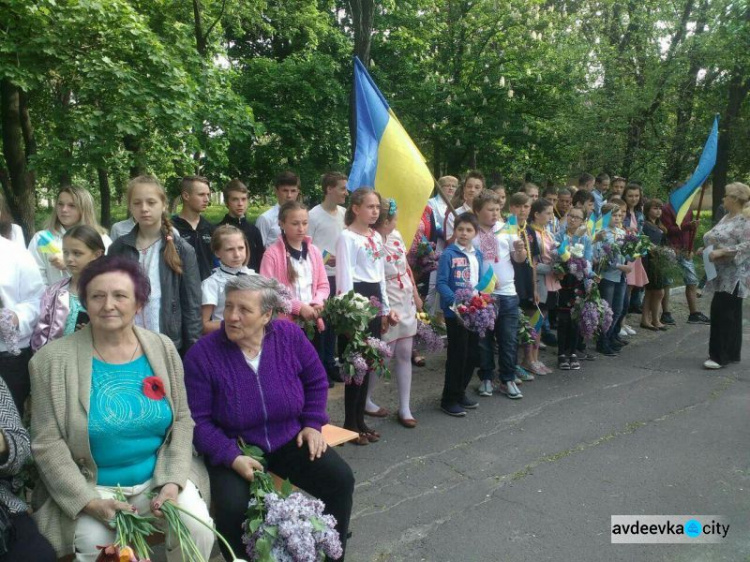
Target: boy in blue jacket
[[459, 268]]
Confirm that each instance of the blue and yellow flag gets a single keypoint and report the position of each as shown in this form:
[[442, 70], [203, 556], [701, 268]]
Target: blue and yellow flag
[[682, 197], [537, 320], [488, 282], [510, 227], [326, 256], [47, 243], [385, 156], [563, 250], [598, 223]]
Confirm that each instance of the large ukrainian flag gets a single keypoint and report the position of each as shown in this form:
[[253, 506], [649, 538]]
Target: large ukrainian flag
[[385, 156], [682, 197]]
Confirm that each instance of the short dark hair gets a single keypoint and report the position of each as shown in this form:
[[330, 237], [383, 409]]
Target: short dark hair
[[550, 190], [88, 235], [111, 264], [485, 197], [286, 178], [563, 191], [471, 218], [234, 185], [331, 179], [601, 177], [582, 196], [518, 199], [584, 178], [186, 183]]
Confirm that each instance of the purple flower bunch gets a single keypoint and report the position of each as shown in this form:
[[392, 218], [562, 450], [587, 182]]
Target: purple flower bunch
[[298, 528], [427, 338], [476, 311], [588, 319], [380, 346], [578, 267], [593, 313], [9, 333], [285, 296], [360, 369], [375, 302]]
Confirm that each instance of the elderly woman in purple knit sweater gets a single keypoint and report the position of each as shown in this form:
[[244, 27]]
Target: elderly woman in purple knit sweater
[[260, 379]]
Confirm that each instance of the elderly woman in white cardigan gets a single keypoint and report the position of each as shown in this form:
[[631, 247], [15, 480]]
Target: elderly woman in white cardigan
[[88, 388]]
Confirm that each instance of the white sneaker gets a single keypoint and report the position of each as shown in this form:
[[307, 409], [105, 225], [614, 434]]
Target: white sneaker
[[623, 333], [542, 345], [485, 388], [711, 364], [629, 330]]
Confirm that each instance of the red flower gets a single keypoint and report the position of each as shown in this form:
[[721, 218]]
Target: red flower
[[153, 387]]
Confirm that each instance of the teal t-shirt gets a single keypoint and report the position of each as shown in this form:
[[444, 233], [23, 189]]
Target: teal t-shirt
[[75, 307], [126, 426]]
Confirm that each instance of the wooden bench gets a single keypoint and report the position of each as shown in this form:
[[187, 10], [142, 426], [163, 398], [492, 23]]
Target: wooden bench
[[333, 435]]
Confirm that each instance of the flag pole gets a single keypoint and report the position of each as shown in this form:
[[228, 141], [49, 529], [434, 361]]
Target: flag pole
[[700, 206]]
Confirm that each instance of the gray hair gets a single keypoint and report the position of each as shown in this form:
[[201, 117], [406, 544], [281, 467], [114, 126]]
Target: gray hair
[[274, 297]]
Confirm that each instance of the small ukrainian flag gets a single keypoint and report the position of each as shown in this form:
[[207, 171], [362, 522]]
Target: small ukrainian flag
[[564, 250], [326, 256], [488, 282], [47, 243], [595, 224], [511, 227], [537, 320]]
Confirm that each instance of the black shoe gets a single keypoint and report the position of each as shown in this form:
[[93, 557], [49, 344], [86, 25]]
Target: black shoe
[[468, 404], [621, 341], [615, 347], [334, 374], [453, 410], [698, 318], [666, 318], [610, 353], [587, 356]]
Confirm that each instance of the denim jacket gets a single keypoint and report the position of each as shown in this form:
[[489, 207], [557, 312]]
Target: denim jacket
[[613, 239], [453, 274]]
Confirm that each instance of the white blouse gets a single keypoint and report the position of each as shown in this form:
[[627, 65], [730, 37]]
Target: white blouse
[[361, 258]]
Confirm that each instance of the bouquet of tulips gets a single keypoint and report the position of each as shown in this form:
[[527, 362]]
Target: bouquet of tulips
[[476, 311], [283, 525]]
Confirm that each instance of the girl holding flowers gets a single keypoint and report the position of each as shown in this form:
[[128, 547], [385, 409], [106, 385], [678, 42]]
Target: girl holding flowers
[[360, 266], [404, 299], [655, 264], [633, 224]]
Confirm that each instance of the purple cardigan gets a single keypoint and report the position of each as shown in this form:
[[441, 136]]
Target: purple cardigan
[[268, 408]]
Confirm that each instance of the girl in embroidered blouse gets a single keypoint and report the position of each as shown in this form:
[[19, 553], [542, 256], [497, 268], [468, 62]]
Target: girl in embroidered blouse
[[463, 200], [61, 311], [360, 266], [404, 299], [547, 281], [730, 239], [229, 245]]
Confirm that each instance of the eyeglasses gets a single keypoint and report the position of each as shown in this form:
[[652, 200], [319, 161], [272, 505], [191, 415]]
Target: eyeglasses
[[575, 217]]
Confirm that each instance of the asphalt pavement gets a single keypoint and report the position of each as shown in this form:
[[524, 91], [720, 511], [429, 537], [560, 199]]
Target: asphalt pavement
[[537, 479]]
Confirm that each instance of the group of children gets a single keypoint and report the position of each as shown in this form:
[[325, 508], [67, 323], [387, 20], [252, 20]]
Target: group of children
[[330, 250]]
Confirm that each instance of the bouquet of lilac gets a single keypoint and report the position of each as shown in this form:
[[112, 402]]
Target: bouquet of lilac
[[286, 526], [9, 333], [475, 311], [526, 333], [592, 313], [608, 257], [428, 335]]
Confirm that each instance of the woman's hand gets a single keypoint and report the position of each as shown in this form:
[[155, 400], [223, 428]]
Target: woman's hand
[[418, 301], [57, 261], [246, 467], [168, 492], [307, 312], [393, 318], [105, 510], [626, 268], [315, 442], [601, 235], [721, 255]]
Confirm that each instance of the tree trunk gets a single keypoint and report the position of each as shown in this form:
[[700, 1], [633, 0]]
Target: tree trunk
[[200, 38], [362, 13], [21, 197], [739, 86], [137, 165], [105, 196]]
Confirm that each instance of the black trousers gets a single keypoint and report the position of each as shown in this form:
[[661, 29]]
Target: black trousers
[[568, 338], [15, 372], [328, 478], [462, 358], [355, 396], [725, 341], [28, 544]]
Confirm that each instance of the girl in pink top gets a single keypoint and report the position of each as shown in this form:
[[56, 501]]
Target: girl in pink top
[[296, 263]]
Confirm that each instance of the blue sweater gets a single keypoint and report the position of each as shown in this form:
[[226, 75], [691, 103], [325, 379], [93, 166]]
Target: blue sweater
[[453, 274]]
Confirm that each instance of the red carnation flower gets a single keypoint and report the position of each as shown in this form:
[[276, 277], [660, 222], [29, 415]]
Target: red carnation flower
[[153, 387]]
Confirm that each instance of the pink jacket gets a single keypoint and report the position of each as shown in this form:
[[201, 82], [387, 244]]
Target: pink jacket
[[274, 267], [55, 308]]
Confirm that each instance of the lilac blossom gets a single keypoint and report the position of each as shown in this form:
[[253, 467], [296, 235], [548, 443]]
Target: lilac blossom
[[286, 297], [9, 333], [428, 339], [360, 368], [380, 346]]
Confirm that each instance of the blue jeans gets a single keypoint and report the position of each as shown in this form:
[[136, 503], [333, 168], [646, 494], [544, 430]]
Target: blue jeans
[[505, 336], [614, 293]]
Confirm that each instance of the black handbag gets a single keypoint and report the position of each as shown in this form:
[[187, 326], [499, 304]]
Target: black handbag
[[7, 530]]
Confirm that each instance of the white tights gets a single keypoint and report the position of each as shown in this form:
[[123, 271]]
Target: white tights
[[400, 364]]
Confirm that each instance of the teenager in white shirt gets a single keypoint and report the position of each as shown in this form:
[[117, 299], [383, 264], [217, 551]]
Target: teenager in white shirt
[[230, 247], [326, 222], [462, 201], [287, 189]]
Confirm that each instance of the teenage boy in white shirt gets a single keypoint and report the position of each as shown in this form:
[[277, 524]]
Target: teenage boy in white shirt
[[287, 189]]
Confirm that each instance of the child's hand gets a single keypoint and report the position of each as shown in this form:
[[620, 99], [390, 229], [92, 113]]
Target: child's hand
[[57, 261]]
